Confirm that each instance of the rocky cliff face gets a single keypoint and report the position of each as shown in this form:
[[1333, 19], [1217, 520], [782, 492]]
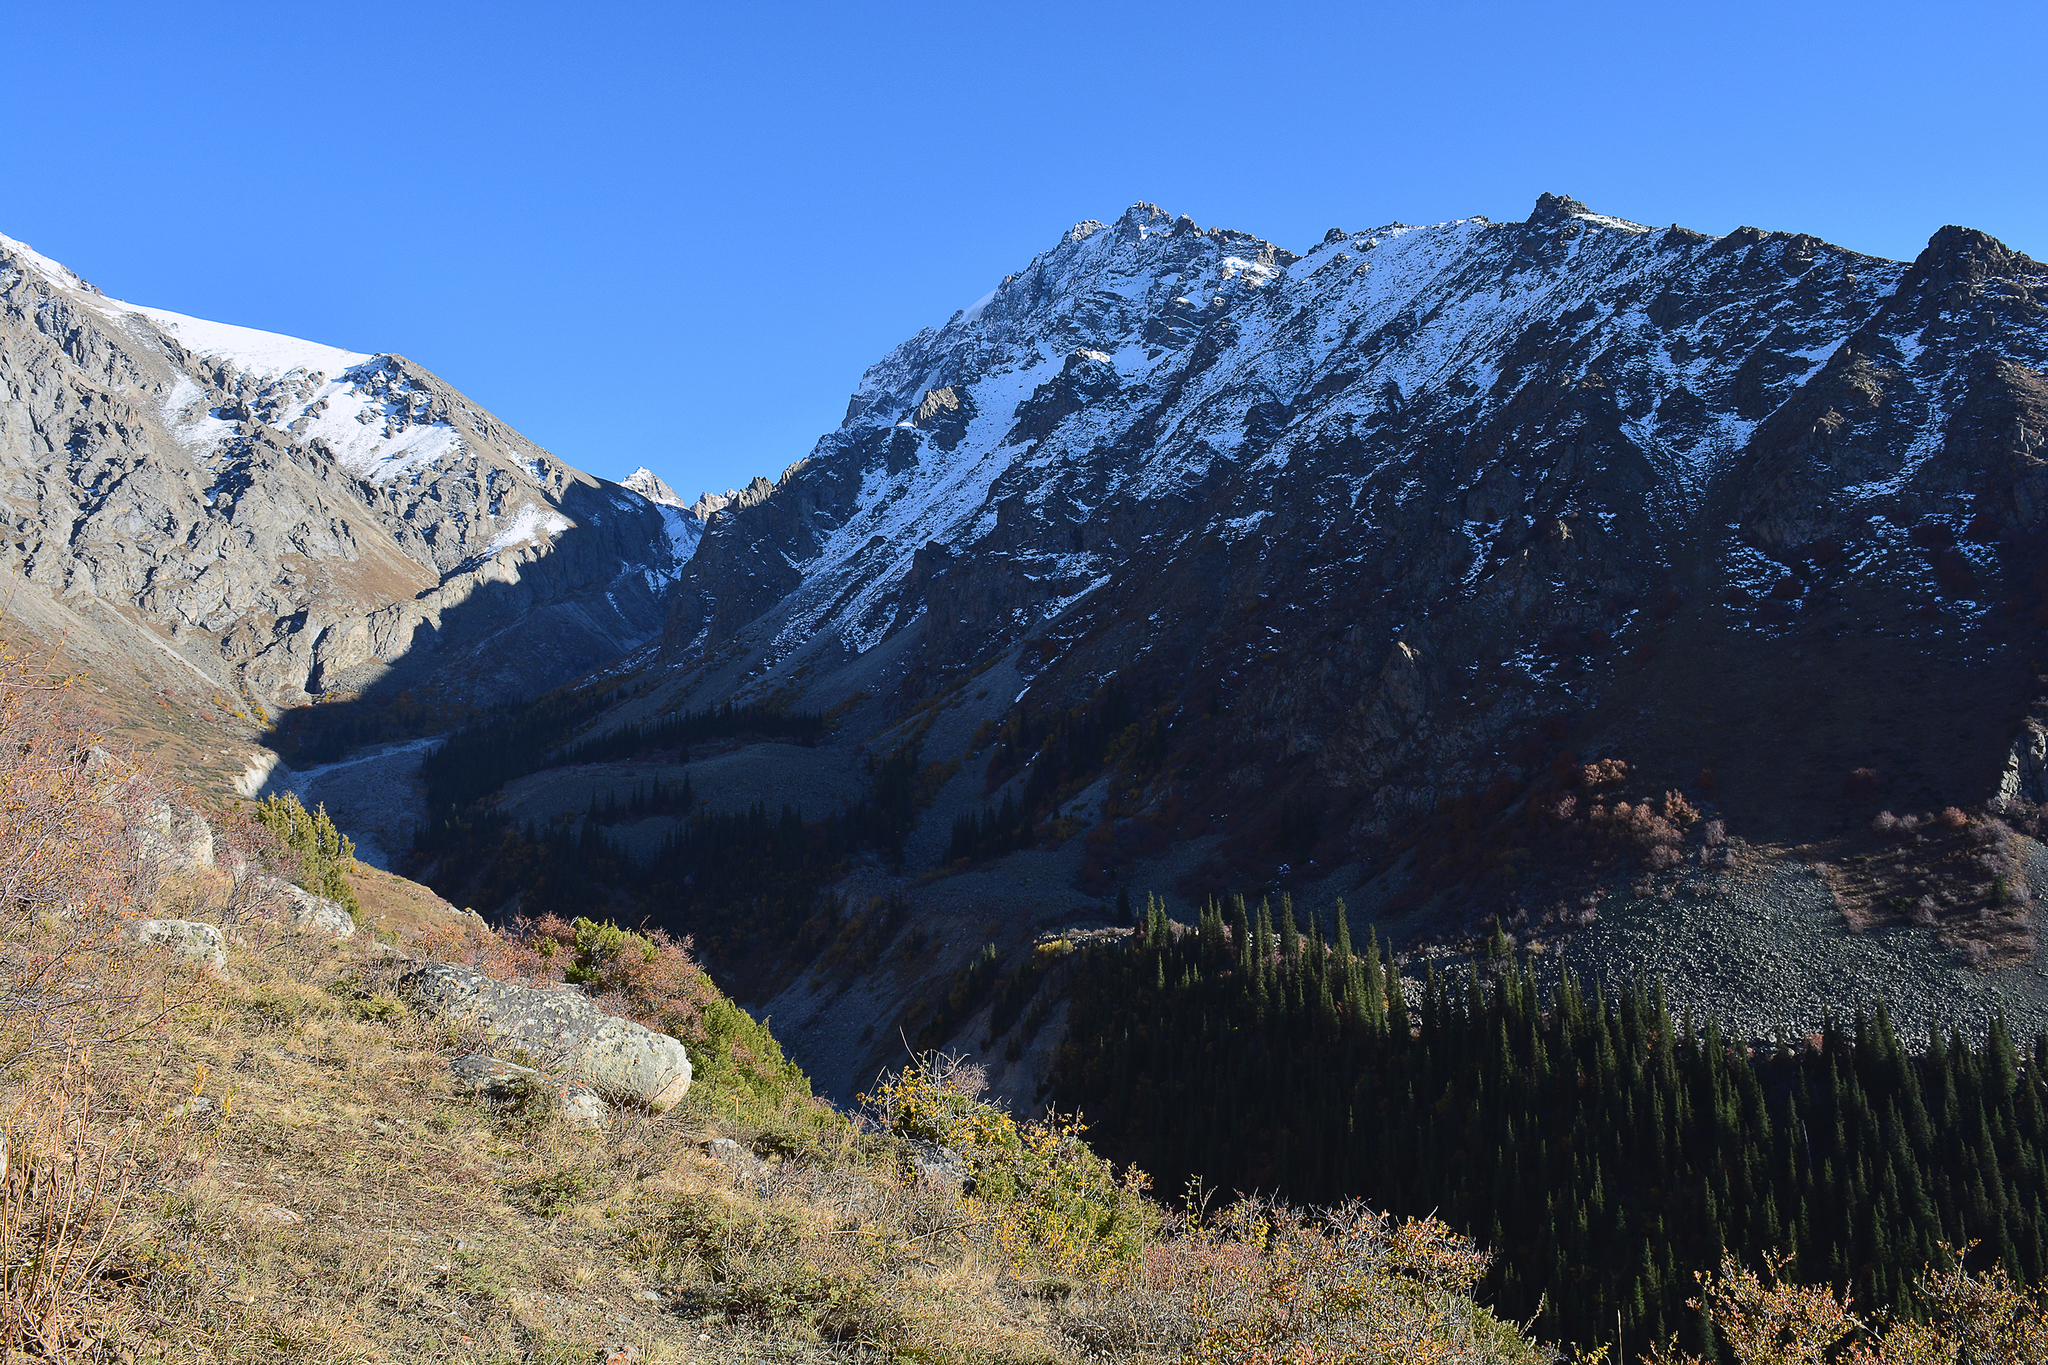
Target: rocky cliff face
[[291, 519], [1392, 518]]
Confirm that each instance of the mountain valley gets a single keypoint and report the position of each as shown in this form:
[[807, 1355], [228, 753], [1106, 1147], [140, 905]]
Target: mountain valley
[[1184, 673]]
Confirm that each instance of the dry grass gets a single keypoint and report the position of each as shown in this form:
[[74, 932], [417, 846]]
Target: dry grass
[[286, 1173], [306, 1185]]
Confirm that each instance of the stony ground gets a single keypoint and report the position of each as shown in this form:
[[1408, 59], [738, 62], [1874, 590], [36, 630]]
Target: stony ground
[[1761, 946]]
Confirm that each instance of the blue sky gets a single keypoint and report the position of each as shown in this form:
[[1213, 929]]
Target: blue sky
[[675, 235]]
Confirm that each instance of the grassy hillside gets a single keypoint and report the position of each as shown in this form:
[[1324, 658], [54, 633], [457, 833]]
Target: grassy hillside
[[266, 1157]]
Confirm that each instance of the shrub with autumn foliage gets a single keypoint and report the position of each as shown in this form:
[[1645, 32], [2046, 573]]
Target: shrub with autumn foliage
[[76, 988], [1347, 1286], [1055, 1206], [75, 871], [1962, 1319]]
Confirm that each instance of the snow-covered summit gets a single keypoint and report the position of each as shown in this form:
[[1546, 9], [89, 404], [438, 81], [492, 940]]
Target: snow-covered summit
[[374, 416], [1146, 358], [650, 486]]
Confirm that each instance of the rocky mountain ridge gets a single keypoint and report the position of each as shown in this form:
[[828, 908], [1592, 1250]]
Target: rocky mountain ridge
[[282, 520], [1418, 509]]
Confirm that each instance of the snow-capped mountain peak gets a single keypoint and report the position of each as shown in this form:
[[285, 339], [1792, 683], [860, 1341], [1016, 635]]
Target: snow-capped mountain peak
[[1401, 492], [303, 516], [650, 486], [1147, 359]]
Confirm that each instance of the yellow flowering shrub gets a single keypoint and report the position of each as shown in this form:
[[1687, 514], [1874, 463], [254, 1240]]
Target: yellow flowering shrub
[[1053, 1204]]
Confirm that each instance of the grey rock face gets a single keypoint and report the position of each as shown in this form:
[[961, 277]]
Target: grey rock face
[[560, 1027], [178, 840], [314, 914], [2026, 768], [289, 518], [187, 938]]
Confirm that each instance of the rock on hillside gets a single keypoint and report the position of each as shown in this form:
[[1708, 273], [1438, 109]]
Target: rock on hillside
[[1382, 521], [292, 519], [623, 1060]]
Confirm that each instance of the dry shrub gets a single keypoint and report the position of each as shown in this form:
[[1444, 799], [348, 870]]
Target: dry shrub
[[1606, 772], [1714, 833], [1863, 782], [1973, 952], [1638, 828], [1952, 819], [1265, 1282], [77, 866], [1984, 1319], [1888, 826], [62, 1190]]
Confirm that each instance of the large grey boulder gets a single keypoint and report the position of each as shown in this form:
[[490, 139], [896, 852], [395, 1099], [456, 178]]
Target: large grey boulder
[[559, 1027], [187, 938], [314, 914], [179, 840]]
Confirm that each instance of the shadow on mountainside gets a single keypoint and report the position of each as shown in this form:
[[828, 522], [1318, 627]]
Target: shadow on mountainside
[[506, 642], [1805, 733]]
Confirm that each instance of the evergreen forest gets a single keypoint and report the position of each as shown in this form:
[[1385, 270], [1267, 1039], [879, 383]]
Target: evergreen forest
[[1603, 1150]]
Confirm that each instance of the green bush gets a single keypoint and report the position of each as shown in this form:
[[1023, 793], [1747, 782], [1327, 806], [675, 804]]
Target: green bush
[[1058, 1207], [323, 853], [605, 954]]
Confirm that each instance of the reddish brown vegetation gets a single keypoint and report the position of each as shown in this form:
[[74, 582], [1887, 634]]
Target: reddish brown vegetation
[[1581, 822], [1949, 870]]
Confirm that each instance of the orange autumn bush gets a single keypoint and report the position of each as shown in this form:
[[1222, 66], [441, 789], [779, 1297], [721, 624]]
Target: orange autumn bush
[[1969, 1319]]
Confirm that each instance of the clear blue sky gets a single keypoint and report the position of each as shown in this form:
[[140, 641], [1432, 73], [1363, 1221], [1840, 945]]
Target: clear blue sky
[[675, 235]]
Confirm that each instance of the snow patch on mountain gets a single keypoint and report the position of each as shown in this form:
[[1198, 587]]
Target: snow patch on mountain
[[368, 414], [529, 525], [254, 352], [58, 273]]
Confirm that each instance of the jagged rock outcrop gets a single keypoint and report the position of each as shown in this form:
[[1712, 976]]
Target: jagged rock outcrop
[[288, 518]]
